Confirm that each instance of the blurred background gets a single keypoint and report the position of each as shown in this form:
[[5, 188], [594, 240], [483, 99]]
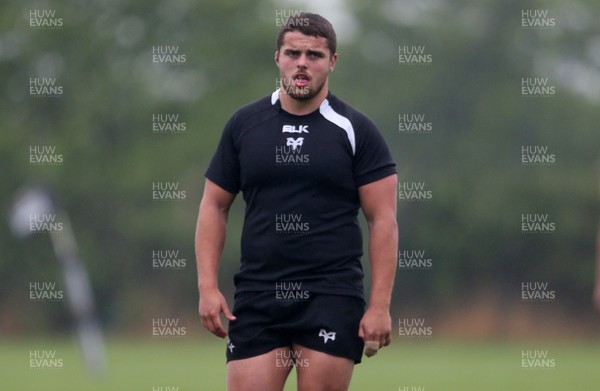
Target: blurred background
[[491, 109]]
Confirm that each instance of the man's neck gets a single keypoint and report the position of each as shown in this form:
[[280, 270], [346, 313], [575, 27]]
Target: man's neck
[[303, 107]]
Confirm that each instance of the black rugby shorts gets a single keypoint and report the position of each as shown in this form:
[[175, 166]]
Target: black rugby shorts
[[269, 320]]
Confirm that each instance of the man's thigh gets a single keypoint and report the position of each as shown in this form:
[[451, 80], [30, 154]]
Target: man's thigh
[[321, 371], [265, 372], [330, 324]]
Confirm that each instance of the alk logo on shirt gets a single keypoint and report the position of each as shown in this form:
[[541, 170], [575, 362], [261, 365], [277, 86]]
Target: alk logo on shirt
[[294, 129]]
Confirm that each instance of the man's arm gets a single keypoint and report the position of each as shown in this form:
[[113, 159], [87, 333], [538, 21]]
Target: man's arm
[[209, 242], [378, 202]]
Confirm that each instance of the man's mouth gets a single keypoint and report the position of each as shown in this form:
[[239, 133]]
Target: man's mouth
[[301, 80]]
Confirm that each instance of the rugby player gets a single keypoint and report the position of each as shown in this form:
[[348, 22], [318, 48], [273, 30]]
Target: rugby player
[[305, 163]]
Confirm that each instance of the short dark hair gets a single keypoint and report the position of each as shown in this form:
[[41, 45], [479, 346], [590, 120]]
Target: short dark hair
[[309, 24]]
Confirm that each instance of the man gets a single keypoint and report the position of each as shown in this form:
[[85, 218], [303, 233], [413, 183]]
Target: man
[[305, 162]]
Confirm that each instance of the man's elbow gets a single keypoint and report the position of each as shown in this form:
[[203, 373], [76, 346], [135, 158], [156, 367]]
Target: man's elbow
[[386, 221]]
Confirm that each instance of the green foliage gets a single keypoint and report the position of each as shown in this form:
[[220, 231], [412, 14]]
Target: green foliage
[[470, 92]]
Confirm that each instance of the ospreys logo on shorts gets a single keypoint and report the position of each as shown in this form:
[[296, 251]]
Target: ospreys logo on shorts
[[327, 336], [230, 346]]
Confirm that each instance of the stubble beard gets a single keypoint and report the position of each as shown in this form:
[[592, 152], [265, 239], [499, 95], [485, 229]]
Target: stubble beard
[[304, 93]]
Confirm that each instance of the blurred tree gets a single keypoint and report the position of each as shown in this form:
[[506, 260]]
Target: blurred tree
[[470, 92]]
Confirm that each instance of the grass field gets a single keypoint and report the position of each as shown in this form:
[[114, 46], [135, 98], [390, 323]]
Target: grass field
[[198, 364]]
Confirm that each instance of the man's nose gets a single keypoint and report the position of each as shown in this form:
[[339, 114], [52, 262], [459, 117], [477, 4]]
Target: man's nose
[[302, 61]]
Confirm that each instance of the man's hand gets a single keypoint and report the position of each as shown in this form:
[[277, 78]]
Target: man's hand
[[376, 326], [211, 304]]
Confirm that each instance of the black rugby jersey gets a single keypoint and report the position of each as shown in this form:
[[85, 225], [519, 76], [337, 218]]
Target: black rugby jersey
[[299, 176]]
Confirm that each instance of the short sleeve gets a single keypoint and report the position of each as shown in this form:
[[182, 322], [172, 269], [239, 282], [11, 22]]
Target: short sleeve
[[373, 160], [224, 167]]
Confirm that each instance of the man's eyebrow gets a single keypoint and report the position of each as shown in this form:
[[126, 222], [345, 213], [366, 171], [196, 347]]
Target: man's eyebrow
[[308, 51], [315, 51]]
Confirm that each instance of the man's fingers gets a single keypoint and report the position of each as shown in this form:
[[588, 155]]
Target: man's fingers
[[228, 313], [371, 348], [216, 327], [213, 324], [374, 340], [383, 339], [387, 340], [361, 332], [206, 322], [210, 312]]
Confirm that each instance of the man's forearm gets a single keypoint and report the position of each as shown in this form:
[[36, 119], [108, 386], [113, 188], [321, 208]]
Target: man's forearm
[[383, 250], [209, 243]]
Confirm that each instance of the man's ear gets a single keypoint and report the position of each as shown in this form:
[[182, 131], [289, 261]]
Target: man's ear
[[277, 57], [332, 62]]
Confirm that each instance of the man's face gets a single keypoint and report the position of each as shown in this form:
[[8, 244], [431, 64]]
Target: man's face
[[304, 64]]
